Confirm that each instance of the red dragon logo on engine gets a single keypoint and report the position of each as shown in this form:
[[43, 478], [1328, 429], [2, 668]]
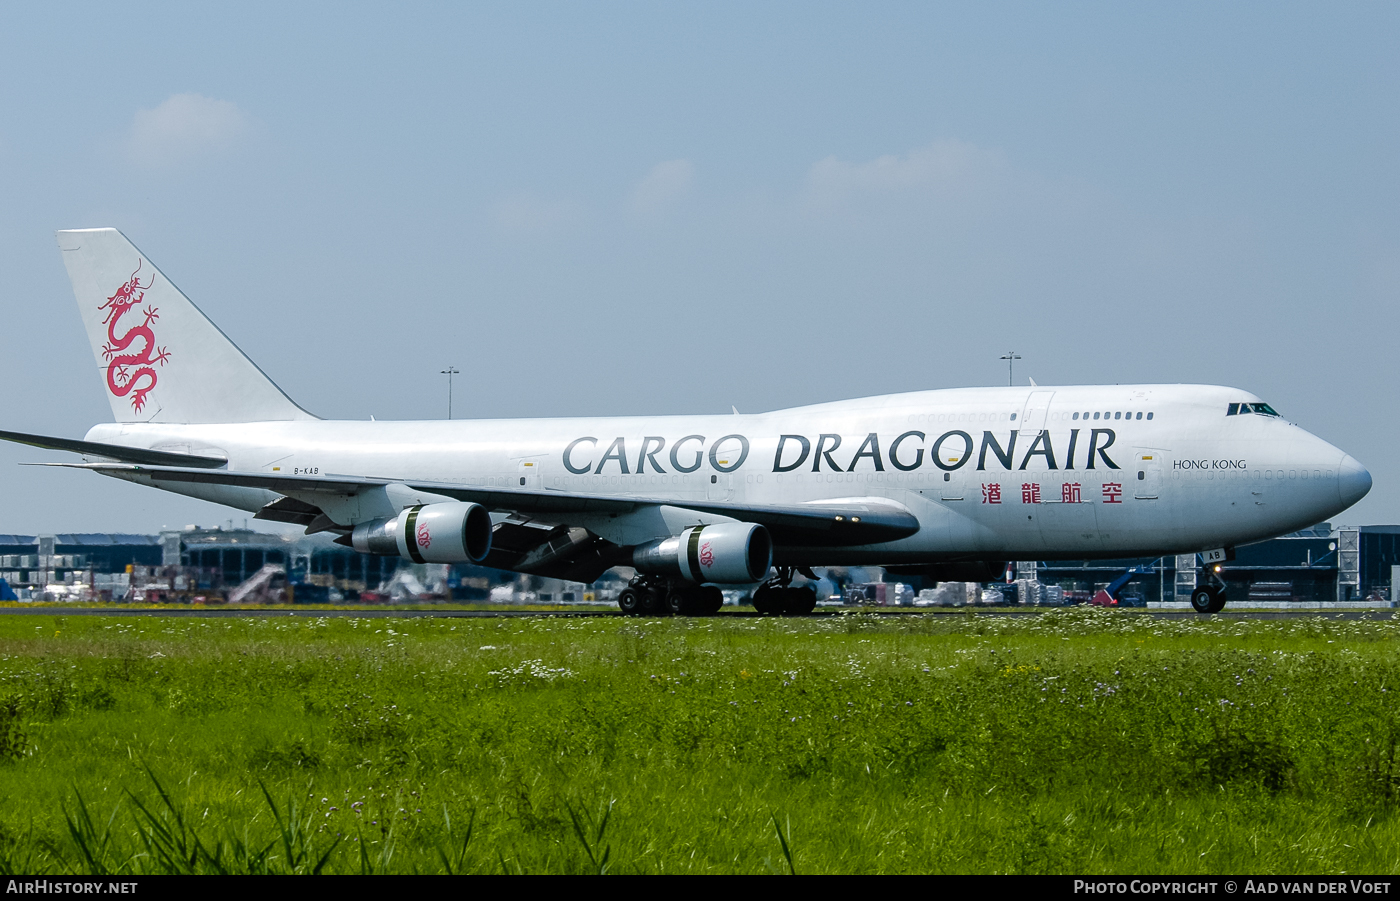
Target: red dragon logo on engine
[[424, 539], [707, 555], [128, 371]]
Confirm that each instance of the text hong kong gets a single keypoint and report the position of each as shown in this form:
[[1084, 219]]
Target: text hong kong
[[830, 452]]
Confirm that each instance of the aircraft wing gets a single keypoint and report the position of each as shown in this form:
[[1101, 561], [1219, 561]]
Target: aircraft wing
[[830, 523]]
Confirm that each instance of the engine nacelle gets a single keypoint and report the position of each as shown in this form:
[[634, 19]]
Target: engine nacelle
[[455, 532], [734, 553]]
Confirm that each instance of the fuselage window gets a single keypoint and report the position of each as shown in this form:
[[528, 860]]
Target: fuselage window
[[1096, 415], [1149, 415], [1013, 417], [1117, 415], [1139, 416], [1076, 415]]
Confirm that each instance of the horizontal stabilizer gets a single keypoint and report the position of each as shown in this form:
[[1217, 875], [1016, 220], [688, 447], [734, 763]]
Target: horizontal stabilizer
[[115, 451]]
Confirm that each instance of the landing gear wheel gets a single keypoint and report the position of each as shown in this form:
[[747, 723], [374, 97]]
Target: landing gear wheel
[[686, 599], [629, 602], [769, 599], [677, 601], [648, 600], [709, 600], [800, 601], [1208, 600]]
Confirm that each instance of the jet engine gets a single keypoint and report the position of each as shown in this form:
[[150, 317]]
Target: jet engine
[[455, 532], [730, 553]]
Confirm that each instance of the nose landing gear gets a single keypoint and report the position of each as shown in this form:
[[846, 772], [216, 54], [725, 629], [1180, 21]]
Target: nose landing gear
[[1209, 597]]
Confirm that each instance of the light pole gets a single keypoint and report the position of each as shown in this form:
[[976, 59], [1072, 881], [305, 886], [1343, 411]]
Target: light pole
[[450, 372], [1010, 357]]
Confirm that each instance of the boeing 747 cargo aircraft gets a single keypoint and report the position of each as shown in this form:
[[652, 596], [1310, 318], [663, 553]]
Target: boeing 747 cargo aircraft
[[946, 483]]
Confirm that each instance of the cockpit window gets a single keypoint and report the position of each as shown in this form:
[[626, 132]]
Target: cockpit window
[[1238, 409]]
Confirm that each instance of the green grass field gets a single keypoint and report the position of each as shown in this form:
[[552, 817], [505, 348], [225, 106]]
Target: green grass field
[[1084, 742]]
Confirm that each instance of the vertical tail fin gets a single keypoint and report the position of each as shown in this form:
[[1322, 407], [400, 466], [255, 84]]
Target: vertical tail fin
[[160, 358]]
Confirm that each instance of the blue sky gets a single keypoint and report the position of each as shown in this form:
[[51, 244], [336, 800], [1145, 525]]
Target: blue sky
[[626, 208]]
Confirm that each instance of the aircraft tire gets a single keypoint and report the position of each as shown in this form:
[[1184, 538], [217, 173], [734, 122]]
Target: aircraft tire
[[1208, 600], [768, 600], [678, 601], [629, 602], [800, 601], [685, 599], [710, 600], [648, 602]]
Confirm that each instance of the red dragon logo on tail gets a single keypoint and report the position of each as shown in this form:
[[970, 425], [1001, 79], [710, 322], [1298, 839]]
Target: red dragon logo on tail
[[132, 372]]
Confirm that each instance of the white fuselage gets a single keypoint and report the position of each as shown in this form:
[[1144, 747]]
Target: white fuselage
[[991, 473]]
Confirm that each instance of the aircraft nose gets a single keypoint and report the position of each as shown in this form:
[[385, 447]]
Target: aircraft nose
[[1353, 481]]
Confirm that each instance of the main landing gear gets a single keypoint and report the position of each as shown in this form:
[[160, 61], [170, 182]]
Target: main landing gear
[[1210, 597], [655, 596], [777, 597]]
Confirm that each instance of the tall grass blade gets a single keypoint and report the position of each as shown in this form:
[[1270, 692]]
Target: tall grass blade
[[785, 841]]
